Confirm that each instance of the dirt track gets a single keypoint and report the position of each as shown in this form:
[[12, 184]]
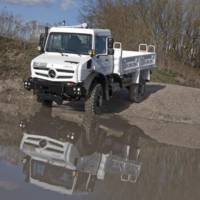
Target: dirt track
[[169, 114]]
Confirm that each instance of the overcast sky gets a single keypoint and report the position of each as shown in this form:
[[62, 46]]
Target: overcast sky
[[45, 11]]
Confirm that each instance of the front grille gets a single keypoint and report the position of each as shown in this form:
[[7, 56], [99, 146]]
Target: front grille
[[51, 146], [54, 150], [40, 74], [56, 144], [31, 144], [64, 77], [41, 68], [60, 72], [65, 71]]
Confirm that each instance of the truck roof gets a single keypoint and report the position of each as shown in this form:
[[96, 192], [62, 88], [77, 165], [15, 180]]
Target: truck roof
[[65, 29]]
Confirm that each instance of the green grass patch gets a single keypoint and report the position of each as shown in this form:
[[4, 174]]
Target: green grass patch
[[164, 76], [16, 56]]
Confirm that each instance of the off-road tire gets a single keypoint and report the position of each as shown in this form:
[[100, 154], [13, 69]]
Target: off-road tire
[[92, 137], [93, 104], [47, 103], [91, 184], [137, 92]]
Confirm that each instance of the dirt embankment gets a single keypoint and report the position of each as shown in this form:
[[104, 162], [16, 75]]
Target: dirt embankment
[[170, 114], [15, 58]]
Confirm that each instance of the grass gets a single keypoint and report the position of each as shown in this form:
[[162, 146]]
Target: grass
[[16, 56], [164, 76]]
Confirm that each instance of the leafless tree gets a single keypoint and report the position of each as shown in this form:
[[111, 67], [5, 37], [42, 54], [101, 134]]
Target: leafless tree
[[13, 26], [172, 25]]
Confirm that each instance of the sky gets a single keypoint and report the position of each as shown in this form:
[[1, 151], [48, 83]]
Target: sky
[[44, 11]]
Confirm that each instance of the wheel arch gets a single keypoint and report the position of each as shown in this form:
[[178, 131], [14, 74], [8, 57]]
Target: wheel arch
[[94, 78], [117, 78]]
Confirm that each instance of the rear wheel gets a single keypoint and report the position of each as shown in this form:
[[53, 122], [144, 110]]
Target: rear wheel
[[94, 103], [91, 184], [137, 91]]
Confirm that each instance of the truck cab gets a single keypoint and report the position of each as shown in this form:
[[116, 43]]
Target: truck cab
[[67, 55], [59, 166]]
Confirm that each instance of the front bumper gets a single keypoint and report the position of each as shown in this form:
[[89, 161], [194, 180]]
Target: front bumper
[[55, 90]]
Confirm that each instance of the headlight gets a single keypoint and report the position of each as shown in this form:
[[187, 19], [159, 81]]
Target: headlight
[[39, 64]]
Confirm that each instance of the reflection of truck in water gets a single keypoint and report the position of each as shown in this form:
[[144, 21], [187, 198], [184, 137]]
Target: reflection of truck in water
[[58, 166], [77, 62]]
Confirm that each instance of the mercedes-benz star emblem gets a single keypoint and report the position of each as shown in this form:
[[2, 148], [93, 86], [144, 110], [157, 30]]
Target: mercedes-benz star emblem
[[42, 143], [52, 73]]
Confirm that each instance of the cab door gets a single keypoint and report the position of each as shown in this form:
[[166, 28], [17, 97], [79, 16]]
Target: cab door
[[104, 62]]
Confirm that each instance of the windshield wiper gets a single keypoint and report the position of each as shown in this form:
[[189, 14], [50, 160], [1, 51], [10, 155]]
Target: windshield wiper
[[61, 51], [73, 52]]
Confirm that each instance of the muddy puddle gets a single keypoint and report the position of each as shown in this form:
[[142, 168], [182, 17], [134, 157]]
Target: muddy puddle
[[145, 169]]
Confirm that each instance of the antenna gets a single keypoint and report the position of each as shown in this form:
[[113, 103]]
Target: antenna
[[64, 23]]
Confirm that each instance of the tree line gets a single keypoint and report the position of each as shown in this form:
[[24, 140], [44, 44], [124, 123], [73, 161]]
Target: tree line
[[172, 25], [13, 26]]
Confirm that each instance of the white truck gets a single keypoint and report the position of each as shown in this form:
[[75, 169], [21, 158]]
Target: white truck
[[78, 62], [59, 166]]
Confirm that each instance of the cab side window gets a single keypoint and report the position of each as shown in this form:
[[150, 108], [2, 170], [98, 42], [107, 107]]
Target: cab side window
[[101, 43]]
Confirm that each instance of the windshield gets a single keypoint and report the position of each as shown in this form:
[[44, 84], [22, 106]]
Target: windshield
[[53, 175], [69, 43]]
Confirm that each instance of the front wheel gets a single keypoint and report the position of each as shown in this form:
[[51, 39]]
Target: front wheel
[[94, 103], [47, 103], [137, 92]]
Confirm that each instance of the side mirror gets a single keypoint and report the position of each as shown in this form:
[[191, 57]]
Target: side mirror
[[42, 41], [92, 53], [110, 46], [111, 52], [110, 43]]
